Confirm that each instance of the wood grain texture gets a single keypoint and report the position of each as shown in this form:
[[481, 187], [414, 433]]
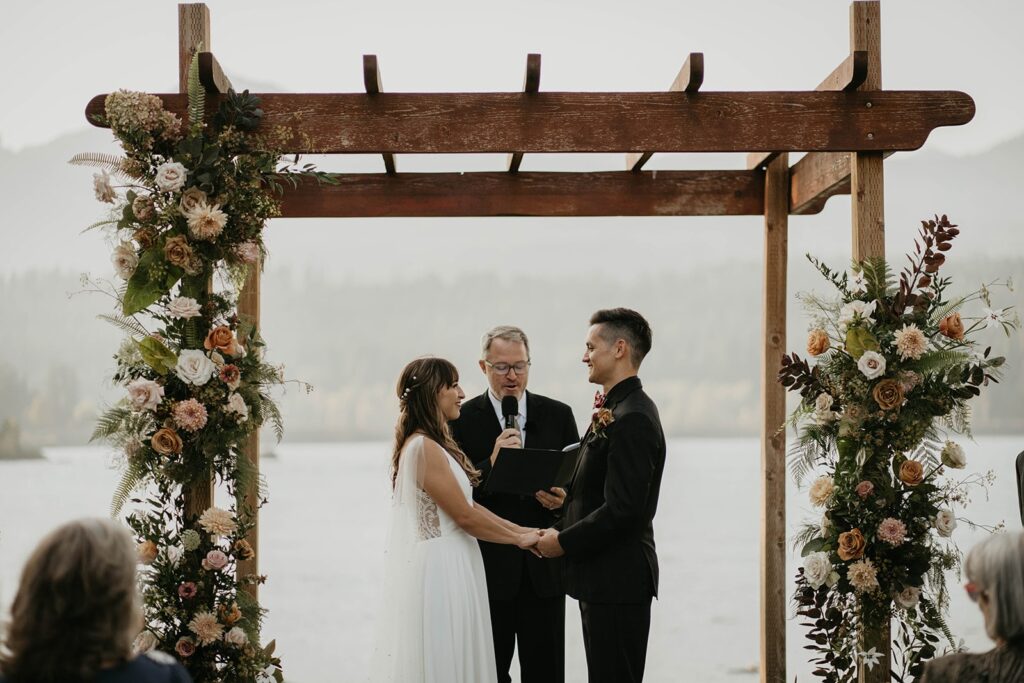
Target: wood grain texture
[[249, 312], [211, 75], [815, 178], [611, 193], [774, 579], [193, 34], [689, 79], [531, 84], [606, 122], [849, 75], [374, 86]]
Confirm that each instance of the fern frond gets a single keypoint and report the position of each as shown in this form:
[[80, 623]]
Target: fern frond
[[948, 308], [252, 615], [128, 325], [941, 361], [196, 93], [131, 480], [99, 224], [959, 419], [879, 276], [110, 422], [275, 419], [110, 162]]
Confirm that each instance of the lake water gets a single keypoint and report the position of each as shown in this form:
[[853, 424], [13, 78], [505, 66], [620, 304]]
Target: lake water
[[321, 538]]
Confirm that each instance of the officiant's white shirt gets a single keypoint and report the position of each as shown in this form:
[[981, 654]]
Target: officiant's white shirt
[[520, 419]]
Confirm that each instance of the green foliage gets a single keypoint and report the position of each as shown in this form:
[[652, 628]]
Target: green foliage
[[156, 355], [110, 422], [152, 279], [111, 163], [196, 93], [859, 340], [128, 325], [131, 479]]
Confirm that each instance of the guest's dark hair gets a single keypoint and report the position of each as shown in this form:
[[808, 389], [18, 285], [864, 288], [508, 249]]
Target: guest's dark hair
[[628, 325], [77, 605], [417, 390]]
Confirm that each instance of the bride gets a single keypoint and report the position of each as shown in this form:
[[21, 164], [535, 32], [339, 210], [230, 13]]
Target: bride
[[435, 625]]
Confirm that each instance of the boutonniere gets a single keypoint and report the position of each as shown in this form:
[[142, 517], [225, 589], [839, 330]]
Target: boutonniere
[[600, 420]]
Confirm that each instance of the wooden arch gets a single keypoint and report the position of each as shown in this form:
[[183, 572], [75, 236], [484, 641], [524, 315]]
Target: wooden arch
[[847, 125]]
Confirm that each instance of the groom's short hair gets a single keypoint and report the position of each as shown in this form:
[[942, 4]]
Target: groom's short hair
[[509, 333], [626, 324]]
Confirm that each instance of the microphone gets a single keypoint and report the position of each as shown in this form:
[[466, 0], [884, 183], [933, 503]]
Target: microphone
[[510, 411]]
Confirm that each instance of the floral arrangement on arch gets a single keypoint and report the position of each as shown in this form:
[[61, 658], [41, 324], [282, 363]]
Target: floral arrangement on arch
[[196, 199], [896, 362]]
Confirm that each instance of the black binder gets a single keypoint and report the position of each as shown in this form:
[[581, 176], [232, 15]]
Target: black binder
[[524, 471]]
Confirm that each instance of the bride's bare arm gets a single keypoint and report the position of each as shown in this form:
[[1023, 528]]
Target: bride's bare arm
[[440, 484], [511, 526]]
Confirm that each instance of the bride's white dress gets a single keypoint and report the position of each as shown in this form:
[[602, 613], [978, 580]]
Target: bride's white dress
[[435, 623]]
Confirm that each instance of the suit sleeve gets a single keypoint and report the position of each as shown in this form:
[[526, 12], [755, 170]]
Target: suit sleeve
[[632, 451]]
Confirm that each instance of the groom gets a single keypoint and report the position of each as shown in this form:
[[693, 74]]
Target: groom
[[606, 533]]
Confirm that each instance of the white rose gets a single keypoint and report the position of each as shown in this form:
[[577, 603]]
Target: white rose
[[144, 642], [825, 527], [872, 364], [908, 597], [174, 554], [194, 367], [170, 176], [945, 522], [817, 568], [823, 403], [101, 185], [821, 491], [125, 260], [953, 456], [236, 404], [183, 307], [145, 394], [236, 636]]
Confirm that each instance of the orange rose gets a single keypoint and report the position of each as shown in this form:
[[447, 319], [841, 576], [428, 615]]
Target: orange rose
[[911, 472], [952, 326], [851, 545], [888, 394], [222, 339], [243, 549], [178, 252], [166, 441], [229, 615], [817, 342], [147, 551]]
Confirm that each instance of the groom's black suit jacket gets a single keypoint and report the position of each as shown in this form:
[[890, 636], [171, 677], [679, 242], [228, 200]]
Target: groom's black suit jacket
[[549, 424], [607, 528]]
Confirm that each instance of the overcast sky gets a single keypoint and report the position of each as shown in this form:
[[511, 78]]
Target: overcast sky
[[57, 55]]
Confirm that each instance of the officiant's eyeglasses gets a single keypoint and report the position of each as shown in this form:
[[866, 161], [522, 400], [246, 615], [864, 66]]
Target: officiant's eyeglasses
[[502, 368]]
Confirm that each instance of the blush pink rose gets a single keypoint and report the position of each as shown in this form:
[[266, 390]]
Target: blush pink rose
[[864, 489]]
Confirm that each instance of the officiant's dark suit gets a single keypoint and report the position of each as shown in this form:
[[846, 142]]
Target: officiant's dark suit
[[526, 596]]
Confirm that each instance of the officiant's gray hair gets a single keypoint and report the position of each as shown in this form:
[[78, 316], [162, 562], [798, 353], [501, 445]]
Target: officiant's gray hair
[[996, 567], [509, 333]]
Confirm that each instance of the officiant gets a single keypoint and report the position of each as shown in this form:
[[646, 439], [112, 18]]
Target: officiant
[[526, 596]]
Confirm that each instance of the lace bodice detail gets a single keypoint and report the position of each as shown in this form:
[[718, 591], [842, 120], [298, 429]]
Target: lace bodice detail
[[427, 513], [431, 520]]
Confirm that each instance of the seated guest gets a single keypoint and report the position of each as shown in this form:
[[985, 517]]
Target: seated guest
[[77, 612], [995, 574]]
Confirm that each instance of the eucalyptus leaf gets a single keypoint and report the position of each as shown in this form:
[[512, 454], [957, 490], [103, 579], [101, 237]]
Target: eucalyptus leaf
[[813, 546]]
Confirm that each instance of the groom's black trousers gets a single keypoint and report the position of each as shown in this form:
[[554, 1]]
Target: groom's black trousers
[[540, 623], [615, 638]]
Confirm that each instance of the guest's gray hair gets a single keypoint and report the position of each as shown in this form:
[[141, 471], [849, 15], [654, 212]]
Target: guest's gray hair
[[996, 567], [509, 333]]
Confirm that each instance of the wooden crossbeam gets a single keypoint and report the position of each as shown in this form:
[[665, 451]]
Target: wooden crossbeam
[[815, 178], [689, 79], [372, 81], [846, 77], [211, 75], [529, 193], [531, 84], [604, 122]]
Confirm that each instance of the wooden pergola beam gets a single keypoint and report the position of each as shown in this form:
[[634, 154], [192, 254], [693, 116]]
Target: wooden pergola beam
[[529, 193], [374, 86], [604, 122], [689, 79], [846, 77], [211, 75], [531, 84]]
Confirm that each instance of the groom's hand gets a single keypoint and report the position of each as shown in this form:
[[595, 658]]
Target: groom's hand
[[553, 500], [548, 545], [508, 438]]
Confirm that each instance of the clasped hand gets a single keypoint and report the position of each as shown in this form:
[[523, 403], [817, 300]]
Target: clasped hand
[[541, 542]]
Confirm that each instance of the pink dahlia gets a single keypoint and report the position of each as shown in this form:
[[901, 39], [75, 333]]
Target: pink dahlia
[[190, 415], [892, 531]]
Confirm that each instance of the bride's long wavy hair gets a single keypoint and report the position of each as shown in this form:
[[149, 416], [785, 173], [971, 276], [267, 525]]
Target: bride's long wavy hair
[[418, 387]]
